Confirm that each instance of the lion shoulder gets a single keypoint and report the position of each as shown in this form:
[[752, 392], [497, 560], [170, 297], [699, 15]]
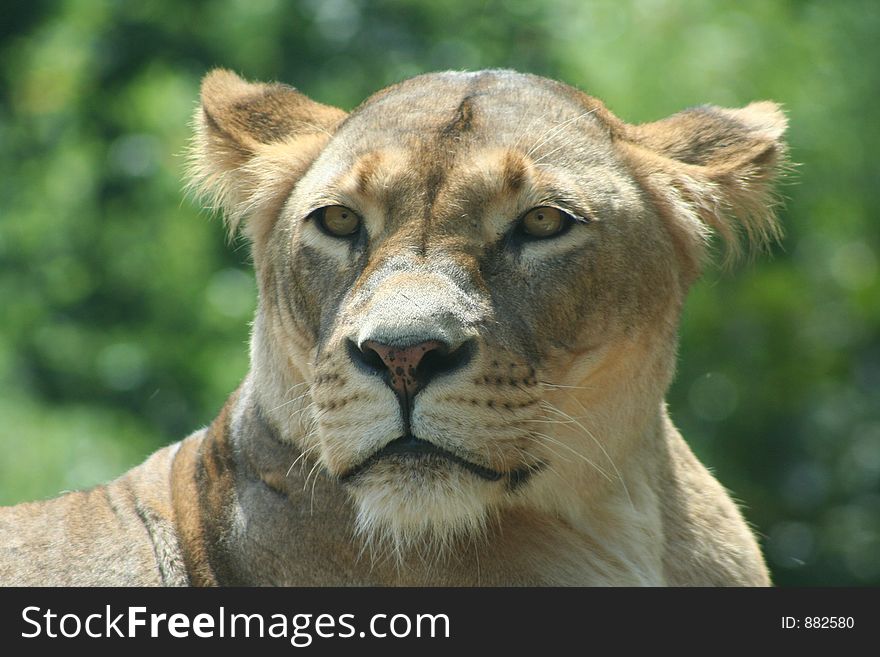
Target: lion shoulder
[[119, 534]]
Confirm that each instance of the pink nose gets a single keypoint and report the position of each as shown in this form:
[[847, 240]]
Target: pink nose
[[402, 363]]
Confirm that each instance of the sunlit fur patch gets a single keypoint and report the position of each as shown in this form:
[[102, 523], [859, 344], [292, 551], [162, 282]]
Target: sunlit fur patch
[[421, 507]]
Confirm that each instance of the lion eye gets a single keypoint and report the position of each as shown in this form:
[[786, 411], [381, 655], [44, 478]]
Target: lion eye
[[544, 221], [338, 221]]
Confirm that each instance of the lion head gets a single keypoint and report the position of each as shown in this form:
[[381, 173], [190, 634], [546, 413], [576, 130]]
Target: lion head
[[469, 286]]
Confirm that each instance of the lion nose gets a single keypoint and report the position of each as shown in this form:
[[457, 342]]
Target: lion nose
[[410, 368]]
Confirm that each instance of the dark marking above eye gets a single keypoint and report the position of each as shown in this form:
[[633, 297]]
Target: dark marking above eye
[[367, 168], [463, 119], [513, 174]]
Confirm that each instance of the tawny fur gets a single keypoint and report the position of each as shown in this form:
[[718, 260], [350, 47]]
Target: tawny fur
[[573, 342]]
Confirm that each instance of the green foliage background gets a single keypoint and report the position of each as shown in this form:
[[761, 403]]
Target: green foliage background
[[125, 314]]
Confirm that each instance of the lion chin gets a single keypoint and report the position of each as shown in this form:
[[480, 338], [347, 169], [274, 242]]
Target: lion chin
[[420, 506]]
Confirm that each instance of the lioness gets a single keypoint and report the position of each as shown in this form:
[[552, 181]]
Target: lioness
[[469, 293]]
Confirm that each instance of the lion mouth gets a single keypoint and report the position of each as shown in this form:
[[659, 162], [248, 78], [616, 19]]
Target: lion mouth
[[411, 448]]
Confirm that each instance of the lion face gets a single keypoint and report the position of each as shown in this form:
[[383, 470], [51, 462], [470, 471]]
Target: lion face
[[469, 286]]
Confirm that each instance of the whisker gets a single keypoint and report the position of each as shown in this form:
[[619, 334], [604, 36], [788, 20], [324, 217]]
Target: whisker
[[576, 453], [298, 458], [290, 401], [559, 385], [312, 497], [589, 433], [314, 467], [549, 134]]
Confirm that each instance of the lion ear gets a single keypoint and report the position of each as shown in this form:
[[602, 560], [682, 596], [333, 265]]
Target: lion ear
[[252, 142], [714, 168]]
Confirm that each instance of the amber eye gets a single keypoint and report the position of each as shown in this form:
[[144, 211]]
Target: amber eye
[[544, 221], [337, 220]]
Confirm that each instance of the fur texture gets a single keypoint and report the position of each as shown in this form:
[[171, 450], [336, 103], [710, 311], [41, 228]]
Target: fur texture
[[534, 447]]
